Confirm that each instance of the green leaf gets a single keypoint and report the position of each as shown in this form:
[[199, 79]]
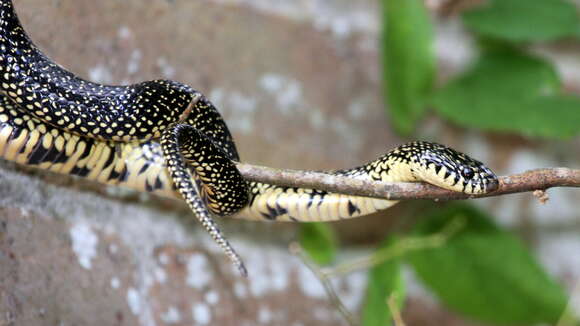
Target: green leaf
[[551, 116], [319, 242], [385, 279], [486, 273], [524, 20], [511, 92], [408, 61]]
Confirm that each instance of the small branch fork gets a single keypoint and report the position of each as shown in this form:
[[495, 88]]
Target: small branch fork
[[540, 179]]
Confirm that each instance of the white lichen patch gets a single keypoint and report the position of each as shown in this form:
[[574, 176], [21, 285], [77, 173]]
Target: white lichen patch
[[559, 254], [266, 277], [160, 275], [357, 110], [113, 249], [141, 230], [164, 259], [341, 18], [240, 290], [198, 272], [341, 128], [24, 212], [309, 284], [351, 294], [134, 62], [264, 315], [238, 108], [115, 283], [453, 46], [148, 279], [340, 26], [290, 100], [124, 32], [134, 301], [167, 69], [316, 119], [84, 243], [286, 91], [100, 74], [344, 22], [171, 316], [212, 297], [322, 314], [201, 313]]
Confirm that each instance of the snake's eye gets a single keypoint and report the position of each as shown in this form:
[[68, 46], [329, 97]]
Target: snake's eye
[[467, 173]]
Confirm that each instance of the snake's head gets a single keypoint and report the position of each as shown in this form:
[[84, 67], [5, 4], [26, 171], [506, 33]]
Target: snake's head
[[450, 169]]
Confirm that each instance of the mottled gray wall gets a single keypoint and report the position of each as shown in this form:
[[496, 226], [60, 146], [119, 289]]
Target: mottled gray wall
[[299, 85]]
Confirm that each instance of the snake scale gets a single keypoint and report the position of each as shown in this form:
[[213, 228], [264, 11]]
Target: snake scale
[[166, 138]]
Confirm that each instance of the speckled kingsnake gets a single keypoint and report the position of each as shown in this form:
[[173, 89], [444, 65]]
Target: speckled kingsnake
[[166, 138]]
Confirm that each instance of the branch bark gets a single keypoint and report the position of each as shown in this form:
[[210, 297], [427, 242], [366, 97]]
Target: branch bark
[[540, 179]]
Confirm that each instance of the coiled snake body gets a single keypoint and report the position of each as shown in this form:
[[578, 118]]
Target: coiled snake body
[[166, 138]]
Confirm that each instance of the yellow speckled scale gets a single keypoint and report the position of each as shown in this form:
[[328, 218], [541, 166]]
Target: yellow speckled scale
[[73, 150], [27, 147], [5, 133], [15, 144]]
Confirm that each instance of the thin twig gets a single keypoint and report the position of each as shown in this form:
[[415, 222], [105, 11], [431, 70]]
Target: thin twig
[[325, 281], [395, 311], [569, 316], [540, 179], [400, 248]]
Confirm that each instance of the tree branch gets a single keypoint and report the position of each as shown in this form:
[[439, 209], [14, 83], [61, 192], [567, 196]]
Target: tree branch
[[540, 179]]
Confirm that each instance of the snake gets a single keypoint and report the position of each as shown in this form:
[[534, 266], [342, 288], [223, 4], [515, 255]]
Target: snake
[[165, 138]]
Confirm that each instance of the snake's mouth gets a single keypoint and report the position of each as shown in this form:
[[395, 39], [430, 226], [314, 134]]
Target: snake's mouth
[[488, 180], [492, 185], [483, 182]]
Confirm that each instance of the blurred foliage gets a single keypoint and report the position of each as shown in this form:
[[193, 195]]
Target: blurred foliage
[[523, 20], [506, 89], [486, 273], [408, 64], [470, 264], [318, 241], [385, 280], [481, 271]]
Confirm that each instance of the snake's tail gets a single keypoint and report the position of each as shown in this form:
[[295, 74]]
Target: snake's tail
[[203, 215], [180, 175]]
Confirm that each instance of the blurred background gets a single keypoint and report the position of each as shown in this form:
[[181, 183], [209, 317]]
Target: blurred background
[[313, 84]]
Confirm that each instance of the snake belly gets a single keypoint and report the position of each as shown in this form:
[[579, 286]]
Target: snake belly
[[26, 140]]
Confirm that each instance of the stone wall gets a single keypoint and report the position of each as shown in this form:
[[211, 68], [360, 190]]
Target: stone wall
[[298, 83]]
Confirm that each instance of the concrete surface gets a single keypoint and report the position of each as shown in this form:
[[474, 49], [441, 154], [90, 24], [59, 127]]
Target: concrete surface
[[298, 83]]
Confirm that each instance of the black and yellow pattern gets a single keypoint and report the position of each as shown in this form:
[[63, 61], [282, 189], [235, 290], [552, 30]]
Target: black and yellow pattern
[[56, 96], [141, 166], [165, 138]]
